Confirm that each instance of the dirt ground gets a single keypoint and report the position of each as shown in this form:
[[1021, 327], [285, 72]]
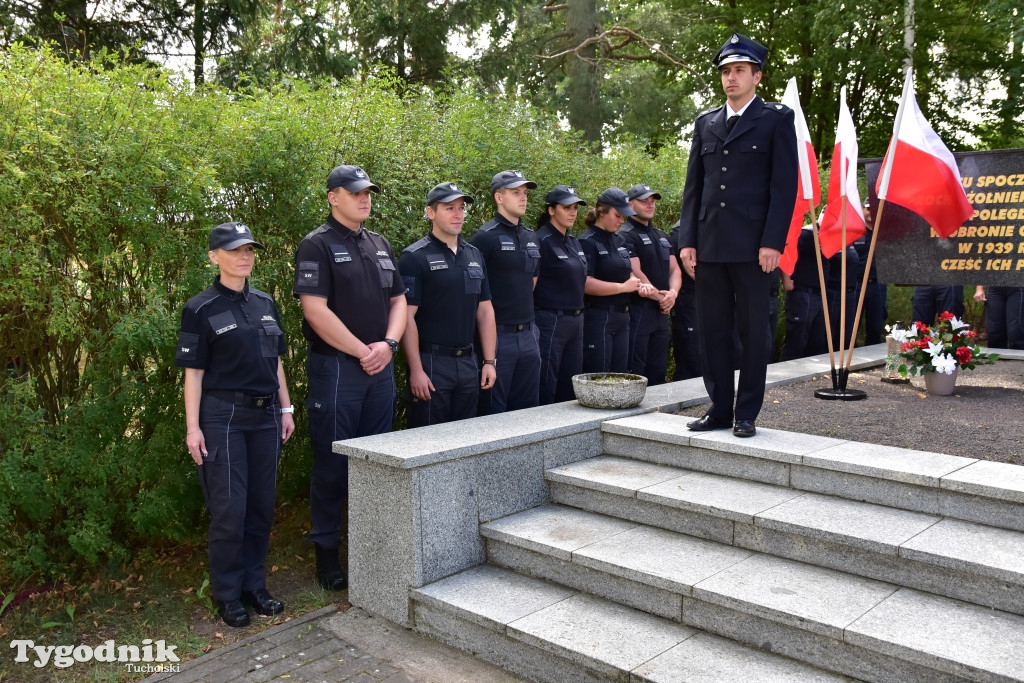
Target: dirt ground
[[984, 418]]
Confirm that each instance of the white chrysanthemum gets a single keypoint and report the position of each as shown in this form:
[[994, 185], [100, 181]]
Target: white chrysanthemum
[[944, 363]]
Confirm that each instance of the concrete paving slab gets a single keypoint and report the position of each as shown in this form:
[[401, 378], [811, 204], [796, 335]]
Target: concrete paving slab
[[960, 638], [660, 558], [877, 528], [555, 529], [823, 601], [733, 499], [991, 479], [599, 634], [706, 658], [970, 547], [613, 474], [490, 596], [887, 462]]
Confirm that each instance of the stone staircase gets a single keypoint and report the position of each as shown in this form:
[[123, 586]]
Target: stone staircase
[[680, 556]]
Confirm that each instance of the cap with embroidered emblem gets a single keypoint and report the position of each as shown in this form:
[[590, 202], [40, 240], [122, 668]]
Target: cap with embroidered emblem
[[617, 199], [641, 191], [563, 194], [230, 236], [511, 179], [352, 178], [446, 192]]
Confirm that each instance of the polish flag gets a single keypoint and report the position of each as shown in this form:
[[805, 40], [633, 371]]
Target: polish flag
[[842, 183], [919, 172], [808, 191]]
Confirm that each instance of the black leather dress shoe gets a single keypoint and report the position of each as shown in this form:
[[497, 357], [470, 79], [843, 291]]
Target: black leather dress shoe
[[329, 573], [262, 602], [707, 423], [232, 612], [744, 428]]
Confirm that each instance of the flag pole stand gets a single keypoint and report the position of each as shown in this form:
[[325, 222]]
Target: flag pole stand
[[839, 390]]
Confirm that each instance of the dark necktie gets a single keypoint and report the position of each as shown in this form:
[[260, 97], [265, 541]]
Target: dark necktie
[[731, 122]]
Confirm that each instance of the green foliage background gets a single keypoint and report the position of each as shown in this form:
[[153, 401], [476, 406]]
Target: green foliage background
[[112, 176]]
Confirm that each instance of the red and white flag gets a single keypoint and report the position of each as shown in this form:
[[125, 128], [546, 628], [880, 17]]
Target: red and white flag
[[808, 191], [842, 183], [919, 172]]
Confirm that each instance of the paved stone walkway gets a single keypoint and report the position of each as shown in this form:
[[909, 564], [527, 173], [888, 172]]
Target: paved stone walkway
[[327, 645]]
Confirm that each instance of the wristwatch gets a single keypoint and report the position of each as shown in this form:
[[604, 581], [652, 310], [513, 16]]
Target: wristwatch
[[493, 361], [392, 344], [289, 409]]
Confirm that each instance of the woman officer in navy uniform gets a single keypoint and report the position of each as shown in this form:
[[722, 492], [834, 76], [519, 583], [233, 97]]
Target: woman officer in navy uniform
[[237, 414], [558, 296], [609, 283]]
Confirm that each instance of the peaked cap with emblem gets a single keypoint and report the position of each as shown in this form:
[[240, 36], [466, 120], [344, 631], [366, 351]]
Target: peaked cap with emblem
[[740, 48], [352, 178], [446, 192], [563, 194], [511, 179]]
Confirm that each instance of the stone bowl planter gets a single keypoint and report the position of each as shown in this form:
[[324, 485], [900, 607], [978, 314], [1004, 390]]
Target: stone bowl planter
[[609, 390]]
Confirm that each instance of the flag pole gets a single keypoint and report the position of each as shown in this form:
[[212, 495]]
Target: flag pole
[[867, 273], [821, 288]]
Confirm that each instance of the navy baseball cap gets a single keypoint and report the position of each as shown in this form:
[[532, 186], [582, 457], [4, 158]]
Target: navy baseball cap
[[511, 179], [617, 199], [229, 236], [446, 192], [563, 194], [740, 48], [352, 178], [641, 191]]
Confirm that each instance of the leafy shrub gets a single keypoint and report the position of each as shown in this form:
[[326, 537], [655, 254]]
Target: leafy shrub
[[112, 176]]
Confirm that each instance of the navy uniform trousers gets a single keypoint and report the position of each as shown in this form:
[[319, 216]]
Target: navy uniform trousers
[[560, 341], [649, 341], [606, 339], [239, 482], [749, 287], [343, 402], [456, 383]]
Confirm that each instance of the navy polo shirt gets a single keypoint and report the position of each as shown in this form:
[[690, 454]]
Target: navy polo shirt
[[563, 270], [608, 260], [805, 272], [673, 238], [236, 338], [357, 274], [652, 247], [447, 287], [512, 254]]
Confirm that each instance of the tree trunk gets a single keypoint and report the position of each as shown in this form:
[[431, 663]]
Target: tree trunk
[[584, 106], [199, 41]]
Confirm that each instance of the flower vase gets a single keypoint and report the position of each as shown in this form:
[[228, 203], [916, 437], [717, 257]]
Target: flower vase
[[940, 384]]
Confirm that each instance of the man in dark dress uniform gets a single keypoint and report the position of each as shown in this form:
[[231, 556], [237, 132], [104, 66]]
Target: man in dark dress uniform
[[738, 199], [651, 255], [353, 307], [512, 256], [448, 301]]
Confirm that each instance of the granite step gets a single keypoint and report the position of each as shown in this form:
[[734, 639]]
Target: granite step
[[950, 557], [989, 493], [833, 620], [547, 632]]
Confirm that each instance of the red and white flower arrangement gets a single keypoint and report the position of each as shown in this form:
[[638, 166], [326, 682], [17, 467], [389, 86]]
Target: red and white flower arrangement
[[945, 346]]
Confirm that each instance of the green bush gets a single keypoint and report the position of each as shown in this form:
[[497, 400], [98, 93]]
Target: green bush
[[112, 176]]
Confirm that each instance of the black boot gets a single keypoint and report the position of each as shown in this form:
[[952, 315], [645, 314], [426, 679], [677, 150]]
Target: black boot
[[328, 569], [232, 612]]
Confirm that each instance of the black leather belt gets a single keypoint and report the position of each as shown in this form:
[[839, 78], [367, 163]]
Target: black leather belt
[[563, 311], [240, 398], [441, 350], [514, 328]]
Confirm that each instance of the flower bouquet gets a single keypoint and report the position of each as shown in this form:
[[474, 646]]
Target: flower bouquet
[[944, 347]]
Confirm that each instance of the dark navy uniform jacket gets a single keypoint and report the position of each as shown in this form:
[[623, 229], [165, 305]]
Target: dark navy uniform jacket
[[512, 254], [356, 272], [608, 260], [740, 186], [234, 337], [688, 283], [447, 287], [563, 270]]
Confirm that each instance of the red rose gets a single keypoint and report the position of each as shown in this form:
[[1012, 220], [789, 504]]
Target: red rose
[[907, 346], [963, 355], [972, 334], [945, 315], [923, 343]]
